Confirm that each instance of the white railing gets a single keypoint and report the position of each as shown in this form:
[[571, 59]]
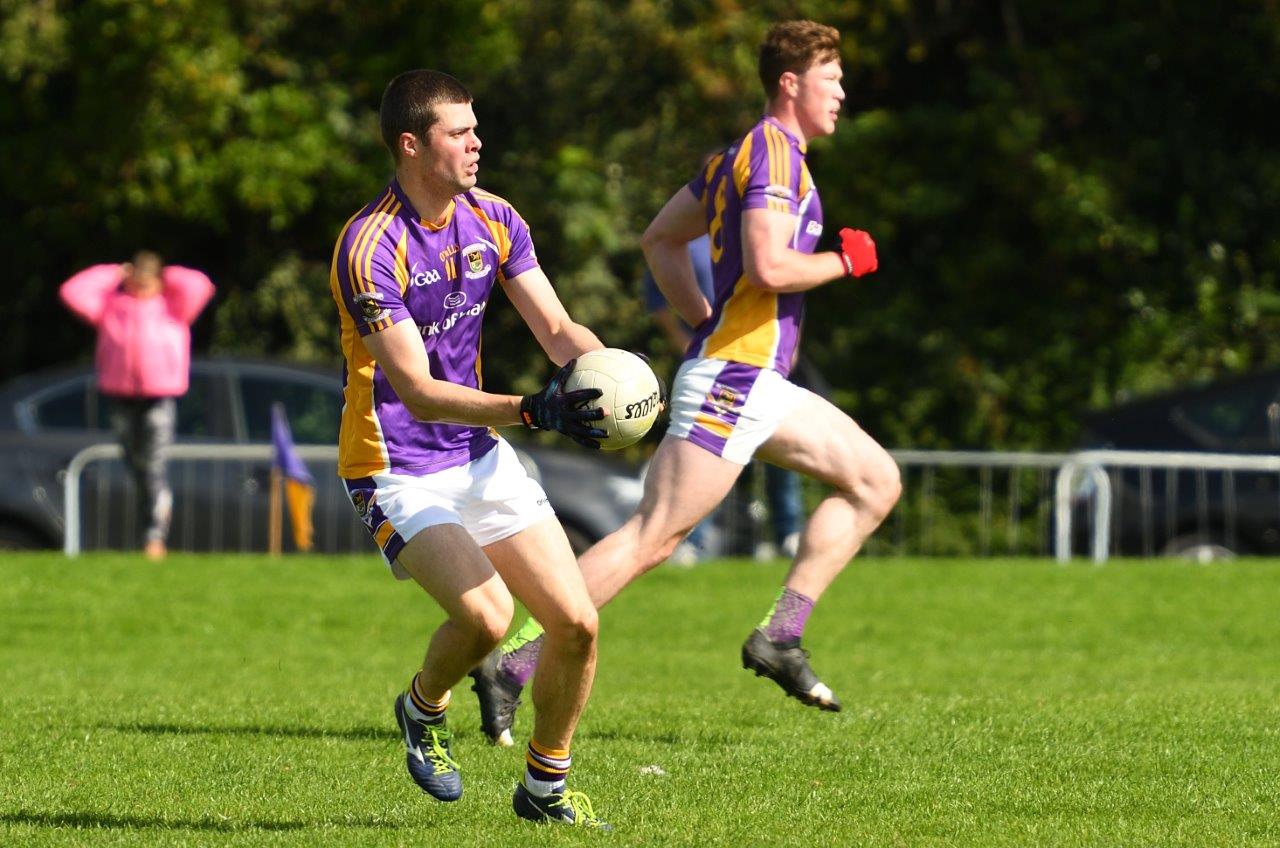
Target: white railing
[[1095, 463], [1068, 468], [94, 453], [986, 463]]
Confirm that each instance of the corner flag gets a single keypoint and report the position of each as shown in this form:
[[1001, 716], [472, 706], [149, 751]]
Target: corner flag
[[299, 488]]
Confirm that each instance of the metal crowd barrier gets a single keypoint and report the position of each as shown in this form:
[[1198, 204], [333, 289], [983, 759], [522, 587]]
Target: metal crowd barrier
[[1040, 492], [1104, 502], [217, 453], [1024, 514]]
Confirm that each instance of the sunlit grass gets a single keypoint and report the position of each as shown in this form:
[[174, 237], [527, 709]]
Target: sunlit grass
[[247, 701]]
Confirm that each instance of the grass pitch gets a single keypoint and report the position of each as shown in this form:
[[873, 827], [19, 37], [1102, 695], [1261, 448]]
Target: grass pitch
[[247, 701]]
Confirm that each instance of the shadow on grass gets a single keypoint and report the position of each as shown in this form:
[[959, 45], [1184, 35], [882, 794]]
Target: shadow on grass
[[106, 821], [360, 734]]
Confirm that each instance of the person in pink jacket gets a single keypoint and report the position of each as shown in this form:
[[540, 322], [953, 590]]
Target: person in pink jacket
[[143, 312]]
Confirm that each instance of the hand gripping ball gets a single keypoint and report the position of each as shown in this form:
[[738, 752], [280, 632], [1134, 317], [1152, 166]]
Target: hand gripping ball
[[628, 389]]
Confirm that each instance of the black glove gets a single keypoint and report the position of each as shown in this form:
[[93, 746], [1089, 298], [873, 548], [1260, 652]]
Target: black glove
[[555, 409]]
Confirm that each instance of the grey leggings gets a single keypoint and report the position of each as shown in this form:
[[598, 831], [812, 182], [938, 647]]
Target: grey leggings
[[145, 428]]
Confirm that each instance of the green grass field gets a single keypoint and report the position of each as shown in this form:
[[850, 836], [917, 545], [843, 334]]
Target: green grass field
[[247, 701]]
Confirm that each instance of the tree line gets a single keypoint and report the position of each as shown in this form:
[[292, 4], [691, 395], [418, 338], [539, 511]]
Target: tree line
[[1073, 203]]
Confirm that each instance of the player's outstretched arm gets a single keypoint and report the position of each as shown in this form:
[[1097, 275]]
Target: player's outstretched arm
[[538, 304], [665, 245], [398, 351], [771, 264]]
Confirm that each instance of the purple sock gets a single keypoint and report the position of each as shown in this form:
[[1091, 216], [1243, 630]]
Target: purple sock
[[518, 665], [786, 619]]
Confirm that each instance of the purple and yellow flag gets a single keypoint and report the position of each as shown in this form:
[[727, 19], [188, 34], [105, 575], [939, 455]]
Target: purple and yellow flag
[[299, 486]]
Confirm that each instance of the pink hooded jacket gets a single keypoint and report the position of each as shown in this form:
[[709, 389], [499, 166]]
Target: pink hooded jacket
[[144, 343]]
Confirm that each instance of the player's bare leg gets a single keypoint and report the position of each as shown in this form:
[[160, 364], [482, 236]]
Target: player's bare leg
[[685, 483], [538, 565], [668, 511], [446, 562], [449, 565], [819, 440]]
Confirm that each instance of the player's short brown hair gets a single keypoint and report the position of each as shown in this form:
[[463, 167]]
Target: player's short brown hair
[[409, 101], [795, 46]]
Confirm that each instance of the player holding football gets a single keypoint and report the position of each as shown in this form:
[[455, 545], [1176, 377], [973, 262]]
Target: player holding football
[[444, 497], [731, 398]]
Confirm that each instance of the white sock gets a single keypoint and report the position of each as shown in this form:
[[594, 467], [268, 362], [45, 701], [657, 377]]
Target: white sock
[[542, 788], [553, 763]]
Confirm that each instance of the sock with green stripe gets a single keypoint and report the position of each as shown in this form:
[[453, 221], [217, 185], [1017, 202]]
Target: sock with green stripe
[[520, 653], [786, 619]]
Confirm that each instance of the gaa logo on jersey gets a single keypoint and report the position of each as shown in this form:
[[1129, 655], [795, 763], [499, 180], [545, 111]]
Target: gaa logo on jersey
[[370, 305], [423, 278], [474, 254]]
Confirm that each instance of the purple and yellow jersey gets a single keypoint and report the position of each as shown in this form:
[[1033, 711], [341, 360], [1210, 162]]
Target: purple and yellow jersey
[[763, 170], [391, 266]]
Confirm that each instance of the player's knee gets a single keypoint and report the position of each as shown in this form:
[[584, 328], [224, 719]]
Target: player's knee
[[586, 627], [881, 487], [576, 630], [658, 547], [659, 537], [495, 627], [874, 485], [489, 621]]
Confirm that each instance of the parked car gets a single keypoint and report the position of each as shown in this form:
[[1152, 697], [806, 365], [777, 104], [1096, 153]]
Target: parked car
[[47, 418], [1205, 515]]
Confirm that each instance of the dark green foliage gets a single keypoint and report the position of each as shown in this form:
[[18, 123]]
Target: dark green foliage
[[1073, 202]]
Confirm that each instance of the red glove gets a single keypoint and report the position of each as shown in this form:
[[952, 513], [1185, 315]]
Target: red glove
[[858, 252]]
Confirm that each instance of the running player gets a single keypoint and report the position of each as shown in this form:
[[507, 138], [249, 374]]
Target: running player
[[732, 399], [444, 497]]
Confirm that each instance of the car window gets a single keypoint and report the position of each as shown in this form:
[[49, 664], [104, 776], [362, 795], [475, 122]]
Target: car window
[[99, 409], [195, 409], [1237, 417], [313, 408], [76, 404], [63, 408]]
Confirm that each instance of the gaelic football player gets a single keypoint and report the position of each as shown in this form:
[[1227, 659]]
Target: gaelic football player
[[445, 497], [731, 399]]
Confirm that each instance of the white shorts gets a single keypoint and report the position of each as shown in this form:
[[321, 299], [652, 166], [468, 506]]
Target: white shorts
[[730, 408], [492, 497]]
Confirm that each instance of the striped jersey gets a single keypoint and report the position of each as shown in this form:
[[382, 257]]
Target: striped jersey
[[391, 266], [765, 169]]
